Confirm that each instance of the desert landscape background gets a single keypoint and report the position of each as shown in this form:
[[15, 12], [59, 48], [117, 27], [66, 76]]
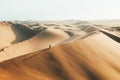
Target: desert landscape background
[[60, 50]]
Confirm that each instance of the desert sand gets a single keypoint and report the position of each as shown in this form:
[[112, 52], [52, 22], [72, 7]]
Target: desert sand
[[10, 34], [92, 56], [42, 40]]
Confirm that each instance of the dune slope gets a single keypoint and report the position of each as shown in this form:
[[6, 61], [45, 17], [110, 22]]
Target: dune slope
[[11, 33], [94, 58], [42, 40]]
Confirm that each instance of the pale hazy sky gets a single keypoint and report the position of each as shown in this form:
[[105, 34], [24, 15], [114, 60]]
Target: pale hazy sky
[[59, 9]]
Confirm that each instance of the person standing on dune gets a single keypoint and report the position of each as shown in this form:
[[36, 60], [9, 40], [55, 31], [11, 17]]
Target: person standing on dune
[[49, 46]]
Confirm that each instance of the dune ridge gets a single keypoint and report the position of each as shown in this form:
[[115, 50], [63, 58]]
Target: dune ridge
[[93, 58], [40, 41], [11, 33], [69, 51]]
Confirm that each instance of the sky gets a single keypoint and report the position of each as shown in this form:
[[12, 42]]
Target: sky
[[59, 9]]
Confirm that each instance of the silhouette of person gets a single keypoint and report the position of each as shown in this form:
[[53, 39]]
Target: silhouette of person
[[2, 49], [49, 46]]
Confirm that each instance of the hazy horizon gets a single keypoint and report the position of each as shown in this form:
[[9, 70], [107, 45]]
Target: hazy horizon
[[59, 9]]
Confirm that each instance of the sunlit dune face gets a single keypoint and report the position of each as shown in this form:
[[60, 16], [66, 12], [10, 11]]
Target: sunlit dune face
[[93, 58], [7, 36], [54, 54], [42, 40]]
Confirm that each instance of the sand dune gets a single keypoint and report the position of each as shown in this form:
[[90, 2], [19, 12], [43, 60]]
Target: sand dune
[[11, 33], [96, 57], [79, 52], [117, 33], [40, 41]]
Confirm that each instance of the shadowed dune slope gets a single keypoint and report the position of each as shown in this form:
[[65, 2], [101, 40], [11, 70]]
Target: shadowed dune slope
[[94, 58], [11, 33], [40, 41]]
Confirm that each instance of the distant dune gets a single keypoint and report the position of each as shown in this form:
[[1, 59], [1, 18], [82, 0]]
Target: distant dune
[[11, 33], [58, 51]]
